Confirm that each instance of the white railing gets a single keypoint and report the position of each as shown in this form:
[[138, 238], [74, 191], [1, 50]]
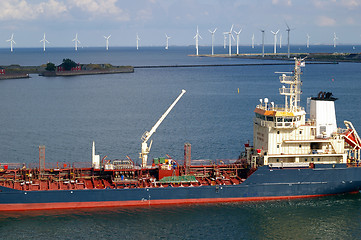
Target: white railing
[[287, 79], [280, 108]]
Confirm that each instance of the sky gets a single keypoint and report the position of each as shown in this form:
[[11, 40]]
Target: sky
[[28, 20]]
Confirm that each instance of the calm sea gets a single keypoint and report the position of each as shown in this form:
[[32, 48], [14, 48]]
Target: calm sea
[[67, 113]]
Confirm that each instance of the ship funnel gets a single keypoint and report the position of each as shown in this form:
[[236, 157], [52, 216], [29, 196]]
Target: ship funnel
[[322, 112]]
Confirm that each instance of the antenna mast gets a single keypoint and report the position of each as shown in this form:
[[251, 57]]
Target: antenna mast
[[293, 92]]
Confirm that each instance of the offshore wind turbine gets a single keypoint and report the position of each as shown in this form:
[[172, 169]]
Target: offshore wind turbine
[[280, 40], [253, 40], [137, 39], [212, 32], [230, 36], [308, 41], [237, 33], [288, 40], [262, 30], [167, 38], [196, 37], [76, 41], [11, 40], [224, 40], [44, 42], [275, 41], [107, 42], [334, 39]]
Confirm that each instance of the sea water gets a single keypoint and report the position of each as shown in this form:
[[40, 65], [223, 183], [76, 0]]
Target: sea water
[[67, 113]]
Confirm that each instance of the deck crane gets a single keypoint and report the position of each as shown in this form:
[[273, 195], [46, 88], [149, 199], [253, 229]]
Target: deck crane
[[146, 136]]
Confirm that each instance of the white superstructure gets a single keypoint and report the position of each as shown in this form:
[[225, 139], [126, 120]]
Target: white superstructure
[[284, 137]]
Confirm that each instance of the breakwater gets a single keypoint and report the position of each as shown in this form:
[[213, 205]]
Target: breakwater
[[225, 65], [324, 57]]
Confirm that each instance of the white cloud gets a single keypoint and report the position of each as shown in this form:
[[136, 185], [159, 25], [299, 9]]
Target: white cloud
[[22, 10], [283, 2], [52, 8], [324, 21], [100, 8], [351, 3], [144, 14]]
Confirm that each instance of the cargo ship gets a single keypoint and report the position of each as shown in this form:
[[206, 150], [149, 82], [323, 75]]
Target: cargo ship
[[293, 155]]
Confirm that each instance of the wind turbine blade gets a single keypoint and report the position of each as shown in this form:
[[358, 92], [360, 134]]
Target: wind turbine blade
[[231, 28], [277, 31], [273, 32], [288, 27], [233, 37]]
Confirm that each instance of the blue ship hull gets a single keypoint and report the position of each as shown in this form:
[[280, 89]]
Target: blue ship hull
[[264, 184]]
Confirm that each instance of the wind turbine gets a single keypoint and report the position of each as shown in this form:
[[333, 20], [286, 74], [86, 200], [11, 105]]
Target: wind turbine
[[308, 40], [11, 40], [197, 36], [288, 40], [167, 38], [334, 39], [262, 30], [224, 40], [137, 39], [76, 41], [275, 41], [212, 32], [253, 40], [107, 42], [280, 40], [237, 33], [230, 36], [44, 42]]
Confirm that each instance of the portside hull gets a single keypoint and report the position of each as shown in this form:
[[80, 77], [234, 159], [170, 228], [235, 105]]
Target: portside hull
[[264, 184]]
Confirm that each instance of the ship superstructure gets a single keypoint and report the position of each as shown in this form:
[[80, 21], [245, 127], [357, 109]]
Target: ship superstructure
[[283, 136], [292, 157]]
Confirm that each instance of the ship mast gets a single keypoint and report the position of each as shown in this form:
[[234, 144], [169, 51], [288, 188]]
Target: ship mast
[[293, 92]]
